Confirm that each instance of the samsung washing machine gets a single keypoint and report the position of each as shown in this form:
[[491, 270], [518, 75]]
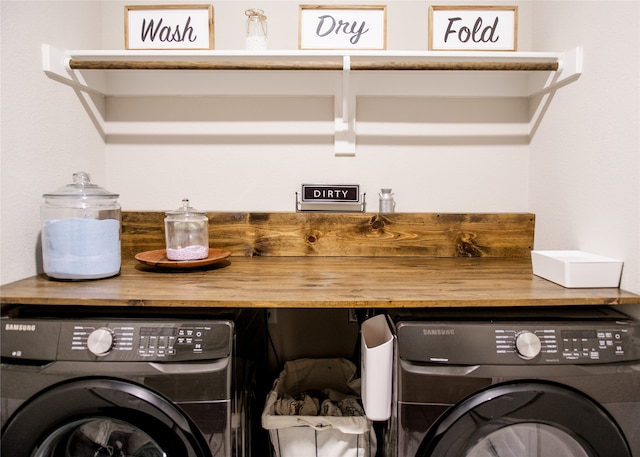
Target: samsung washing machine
[[145, 387], [516, 382]]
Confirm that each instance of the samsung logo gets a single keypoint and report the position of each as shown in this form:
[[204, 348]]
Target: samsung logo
[[20, 327], [438, 332]]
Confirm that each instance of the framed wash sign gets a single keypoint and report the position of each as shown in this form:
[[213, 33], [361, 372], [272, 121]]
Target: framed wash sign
[[342, 27], [473, 28], [168, 27]]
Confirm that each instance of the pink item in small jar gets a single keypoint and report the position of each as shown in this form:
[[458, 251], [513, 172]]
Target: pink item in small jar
[[186, 233], [188, 253]]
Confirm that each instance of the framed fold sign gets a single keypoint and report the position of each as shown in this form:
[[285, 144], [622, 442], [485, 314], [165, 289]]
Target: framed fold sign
[[168, 27], [473, 28], [342, 27]]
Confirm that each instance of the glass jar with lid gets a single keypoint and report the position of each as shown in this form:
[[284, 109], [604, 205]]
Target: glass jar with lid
[[80, 231], [256, 34], [186, 233]]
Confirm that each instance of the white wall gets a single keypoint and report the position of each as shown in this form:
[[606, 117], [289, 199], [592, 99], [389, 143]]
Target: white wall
[[238, 175], [45, 134], [585, 159], [242, 174]]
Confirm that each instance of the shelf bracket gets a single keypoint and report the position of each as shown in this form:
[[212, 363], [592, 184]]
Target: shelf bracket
[[345, 135], [55, 64], [569, 70]]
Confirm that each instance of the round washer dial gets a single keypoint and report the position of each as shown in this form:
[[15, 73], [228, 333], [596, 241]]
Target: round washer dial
[[528, 345], [100, 341]]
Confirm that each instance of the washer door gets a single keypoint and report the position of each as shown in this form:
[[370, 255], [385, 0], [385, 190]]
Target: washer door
[[101, 417], [528, 419]]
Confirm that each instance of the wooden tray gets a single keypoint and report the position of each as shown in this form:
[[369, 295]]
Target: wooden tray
[[158, 258]]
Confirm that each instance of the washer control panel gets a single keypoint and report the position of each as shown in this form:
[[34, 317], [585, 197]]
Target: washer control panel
[[115, 340], [571, 344], [514, 343]]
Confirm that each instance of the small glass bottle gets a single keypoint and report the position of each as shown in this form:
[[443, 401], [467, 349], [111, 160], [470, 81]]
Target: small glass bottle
[[387, 204], [186, 233], [256, 35]]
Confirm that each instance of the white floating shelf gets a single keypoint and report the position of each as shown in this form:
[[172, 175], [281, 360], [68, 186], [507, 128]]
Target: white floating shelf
[[339, 74]]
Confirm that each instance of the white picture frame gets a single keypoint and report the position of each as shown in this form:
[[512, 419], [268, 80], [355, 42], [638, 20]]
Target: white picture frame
[[473, 28], [342, 27], [168, 27]]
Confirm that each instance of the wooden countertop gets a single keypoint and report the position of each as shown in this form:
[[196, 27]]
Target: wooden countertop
[[318, 282], [329, 260]]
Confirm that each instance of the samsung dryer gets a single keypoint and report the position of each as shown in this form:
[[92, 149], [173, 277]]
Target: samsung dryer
[[517, 382], [146, 387]]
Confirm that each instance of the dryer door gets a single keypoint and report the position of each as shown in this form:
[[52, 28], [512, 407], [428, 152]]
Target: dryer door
[[529, 419], [101, 417]]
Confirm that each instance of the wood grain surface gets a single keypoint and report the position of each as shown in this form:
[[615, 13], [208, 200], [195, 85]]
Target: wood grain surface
[[310, 65], [348, 234], [328, 260], [318, 282]]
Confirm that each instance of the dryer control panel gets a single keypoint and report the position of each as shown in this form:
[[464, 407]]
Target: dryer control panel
[[116, 340], [514, 343]]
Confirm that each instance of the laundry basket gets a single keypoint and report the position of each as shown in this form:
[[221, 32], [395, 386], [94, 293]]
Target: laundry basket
[[317, 436]]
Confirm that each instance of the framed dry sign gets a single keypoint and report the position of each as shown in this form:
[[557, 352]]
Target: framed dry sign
[[168, 27], [473, 28], [342, 27]]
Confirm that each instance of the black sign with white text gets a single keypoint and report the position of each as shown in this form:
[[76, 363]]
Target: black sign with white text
[[330, 193]]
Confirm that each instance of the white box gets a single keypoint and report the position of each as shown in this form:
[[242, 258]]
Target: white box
[[576, 268]]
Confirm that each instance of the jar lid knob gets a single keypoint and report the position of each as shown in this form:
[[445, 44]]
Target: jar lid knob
[[81, 178]]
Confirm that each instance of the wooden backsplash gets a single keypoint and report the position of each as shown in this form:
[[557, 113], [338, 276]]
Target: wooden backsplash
[[347, 234]]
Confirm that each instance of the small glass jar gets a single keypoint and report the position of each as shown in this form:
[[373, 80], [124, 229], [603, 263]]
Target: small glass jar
[[387, 204], [256, 34], [186, 233], [80, 231]]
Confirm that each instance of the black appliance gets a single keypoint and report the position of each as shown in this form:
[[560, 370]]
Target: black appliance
[[91, 386], [528, 382]]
